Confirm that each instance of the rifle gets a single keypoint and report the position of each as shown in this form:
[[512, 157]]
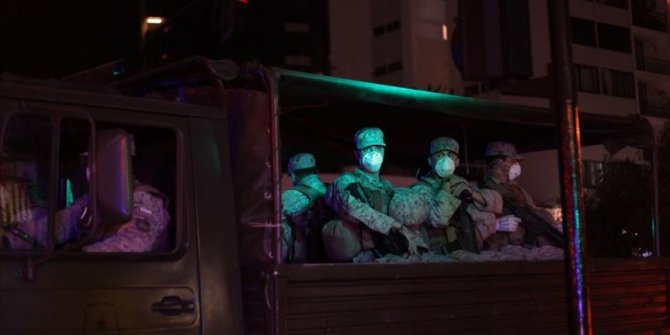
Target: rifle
[[535, 225], [466, 237]]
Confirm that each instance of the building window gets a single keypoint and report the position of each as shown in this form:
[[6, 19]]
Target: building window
[[614, 38], [617, 83], [294, 60], [388, 68], [609, 37], [395, 25], [614, 3], [583, 32], [296, 27], [586, 78], [471, 91], [382, 29], [593, 173]]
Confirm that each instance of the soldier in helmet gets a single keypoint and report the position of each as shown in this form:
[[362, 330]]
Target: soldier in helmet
[[361, 200], [537, 226], [460, 215], [303, 211]]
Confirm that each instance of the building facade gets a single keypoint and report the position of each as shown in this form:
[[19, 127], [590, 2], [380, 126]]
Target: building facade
[[621, 50]]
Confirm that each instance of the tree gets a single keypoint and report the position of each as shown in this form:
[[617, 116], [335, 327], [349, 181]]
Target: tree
[[618, 211]]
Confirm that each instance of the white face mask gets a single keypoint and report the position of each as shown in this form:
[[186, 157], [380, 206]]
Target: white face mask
[[514, 171], [445, 167], [372, 161]]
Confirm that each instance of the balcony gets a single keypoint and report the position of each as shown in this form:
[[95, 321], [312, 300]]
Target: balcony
[[648, 18], [614, 3], [653, 65], [655, 108]]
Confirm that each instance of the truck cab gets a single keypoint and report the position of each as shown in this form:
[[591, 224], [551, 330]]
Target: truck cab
[[57, 287]]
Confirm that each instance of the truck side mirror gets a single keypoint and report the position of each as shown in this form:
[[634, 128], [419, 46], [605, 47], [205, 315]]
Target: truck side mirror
[[114, 176]]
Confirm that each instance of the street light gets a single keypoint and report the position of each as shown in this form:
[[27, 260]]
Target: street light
[[153, 20]]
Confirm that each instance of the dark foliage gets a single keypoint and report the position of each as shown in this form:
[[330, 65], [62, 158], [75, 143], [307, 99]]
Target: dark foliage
[[618, 211]]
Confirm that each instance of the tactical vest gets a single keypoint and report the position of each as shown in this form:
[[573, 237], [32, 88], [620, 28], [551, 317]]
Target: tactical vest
[[375, 198], [378, 199], [307, 225], [460, 233]]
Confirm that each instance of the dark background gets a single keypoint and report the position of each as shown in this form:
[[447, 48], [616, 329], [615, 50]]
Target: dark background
[[53, 39]]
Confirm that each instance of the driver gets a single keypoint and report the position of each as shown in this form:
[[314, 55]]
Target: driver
[[26, 227]]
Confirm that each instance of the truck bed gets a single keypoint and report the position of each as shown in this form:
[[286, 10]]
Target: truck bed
[[627, 296]]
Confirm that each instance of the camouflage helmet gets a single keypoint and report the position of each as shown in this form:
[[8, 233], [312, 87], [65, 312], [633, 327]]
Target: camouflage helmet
[[370, 136], [444, 144], [301, 161], [407, 207], [502, 148]]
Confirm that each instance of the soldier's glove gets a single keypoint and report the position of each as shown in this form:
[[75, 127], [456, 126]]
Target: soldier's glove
[[395, 243], [412, 247], [507, 224], [459, 187]]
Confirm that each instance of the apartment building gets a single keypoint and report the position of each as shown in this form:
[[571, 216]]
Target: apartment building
[[621, 50], [621, 56]]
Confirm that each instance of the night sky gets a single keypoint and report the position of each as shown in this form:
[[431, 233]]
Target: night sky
[[51, 39]]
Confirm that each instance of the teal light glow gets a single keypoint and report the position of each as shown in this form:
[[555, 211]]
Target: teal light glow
[[301, 84], [69, 197]]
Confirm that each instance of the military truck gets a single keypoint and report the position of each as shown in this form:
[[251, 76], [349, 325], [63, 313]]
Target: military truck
[[214, 138]]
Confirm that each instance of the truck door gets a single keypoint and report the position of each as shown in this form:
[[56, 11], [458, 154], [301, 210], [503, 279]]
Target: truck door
[[52, 281]]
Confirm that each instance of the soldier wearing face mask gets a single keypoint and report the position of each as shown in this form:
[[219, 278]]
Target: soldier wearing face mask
[[460, 215], [537, 228], [361, 200], [303, 211]]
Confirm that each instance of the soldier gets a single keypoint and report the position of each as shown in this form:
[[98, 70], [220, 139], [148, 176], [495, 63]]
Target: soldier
[[304, 212], [537, 227], [460, 216], [146, 230], [18, 203], [361, 199]]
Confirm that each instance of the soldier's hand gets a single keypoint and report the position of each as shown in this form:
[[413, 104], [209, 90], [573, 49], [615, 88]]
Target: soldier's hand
[[412, 248], [507, 223], [396, 225], [459, 186]]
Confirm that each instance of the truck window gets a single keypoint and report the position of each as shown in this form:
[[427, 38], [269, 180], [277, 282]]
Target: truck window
[[27, 191], [25, 159], [153, 225]]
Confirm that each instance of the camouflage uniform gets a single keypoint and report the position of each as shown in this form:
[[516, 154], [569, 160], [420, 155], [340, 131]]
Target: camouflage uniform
[[408, 208], [303, 212], [513, 195], [351, 209], [361, 200], [443, 205], [146, 231]]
